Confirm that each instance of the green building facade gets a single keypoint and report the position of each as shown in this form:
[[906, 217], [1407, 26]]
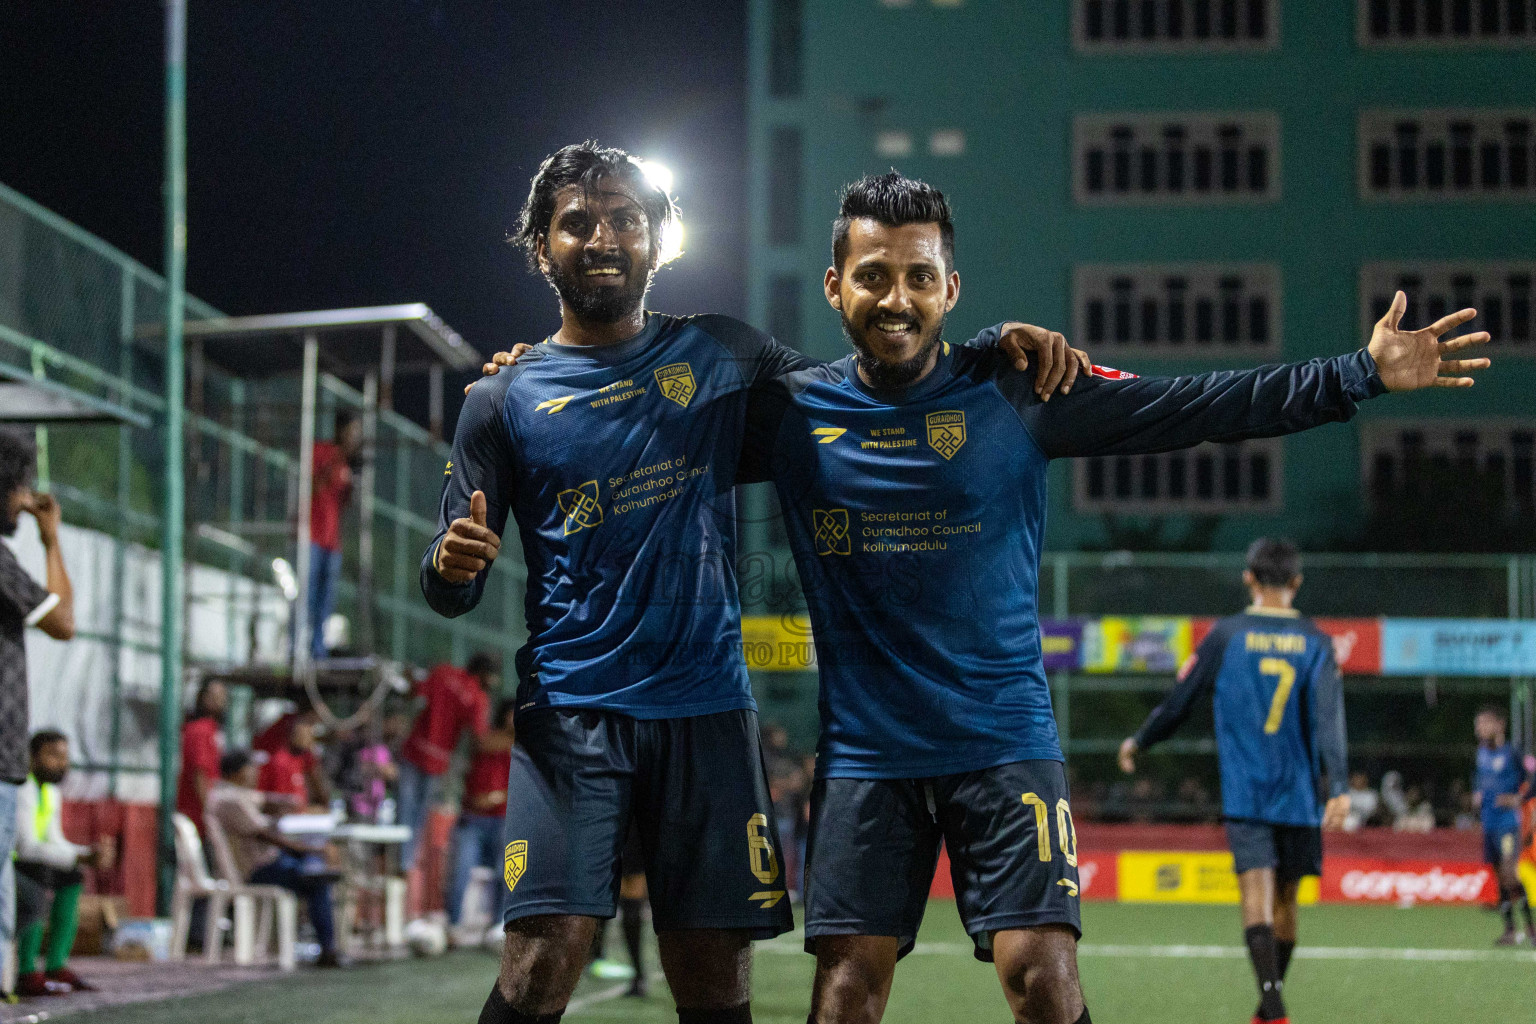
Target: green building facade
[[1188, 185]]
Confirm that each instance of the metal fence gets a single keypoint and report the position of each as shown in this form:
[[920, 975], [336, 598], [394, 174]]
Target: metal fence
[[83, 315]]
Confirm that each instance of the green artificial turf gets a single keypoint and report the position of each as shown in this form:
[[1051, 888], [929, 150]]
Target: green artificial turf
[[1132, 966]]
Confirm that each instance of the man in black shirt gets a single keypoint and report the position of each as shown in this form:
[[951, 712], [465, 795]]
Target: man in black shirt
[[23, 602]]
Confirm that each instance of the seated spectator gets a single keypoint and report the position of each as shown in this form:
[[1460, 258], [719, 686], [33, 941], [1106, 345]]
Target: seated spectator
[[1420, 816], [293, 768], [48, 867], [1363, 802], [264, 855], [1394, 802], [477, 835]]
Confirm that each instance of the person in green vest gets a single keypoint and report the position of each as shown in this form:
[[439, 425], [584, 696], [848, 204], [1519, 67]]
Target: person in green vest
[[48, 865]]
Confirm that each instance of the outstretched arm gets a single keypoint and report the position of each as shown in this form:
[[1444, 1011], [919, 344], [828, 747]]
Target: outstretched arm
[[1329, 738], [1143, 415]]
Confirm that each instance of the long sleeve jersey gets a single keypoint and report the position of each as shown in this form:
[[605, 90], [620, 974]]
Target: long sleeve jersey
[[618, 464], [1279, 706], [916, 518]]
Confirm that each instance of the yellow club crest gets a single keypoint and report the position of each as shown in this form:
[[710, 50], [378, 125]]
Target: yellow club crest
[[581, 506], [676, 382], [514, 862], [946, 431], [832, 534]]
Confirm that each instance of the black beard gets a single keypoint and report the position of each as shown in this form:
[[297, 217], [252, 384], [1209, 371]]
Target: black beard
[[599, 304], [52, 778], [9, 525], [892, 375]]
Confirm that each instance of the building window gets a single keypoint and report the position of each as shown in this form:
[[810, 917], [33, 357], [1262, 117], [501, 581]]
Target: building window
[[1447, 154], [1118, 26], [948, 142], [1178, 309], [784, 185], [786, 49], [1213, 478], [1501, 293], [1493, 460], [784, 310], [894, 143], [1166, 158], [1445, 22]]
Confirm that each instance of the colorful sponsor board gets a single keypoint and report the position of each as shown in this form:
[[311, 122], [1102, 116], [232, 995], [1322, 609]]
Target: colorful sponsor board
[[1458, 647], [1150, 876], [1143, 643], [1160, 644]]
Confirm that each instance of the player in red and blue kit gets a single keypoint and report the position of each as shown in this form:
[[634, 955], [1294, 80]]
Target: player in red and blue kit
[[912, 476], [613, 446], [1279, 707], [1499, 785]]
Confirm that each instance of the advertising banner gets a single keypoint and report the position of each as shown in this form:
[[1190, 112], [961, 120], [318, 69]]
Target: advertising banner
[[1458, 647], [1137, 644], [1405, 882], [1061, 641], [1099, 875], [778, 643], [1146, 876], [1356, 642]]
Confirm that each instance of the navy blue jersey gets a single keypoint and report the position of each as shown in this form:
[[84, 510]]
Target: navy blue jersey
[[1500, 772], [618, 463], [1279, 715], [916, 517]]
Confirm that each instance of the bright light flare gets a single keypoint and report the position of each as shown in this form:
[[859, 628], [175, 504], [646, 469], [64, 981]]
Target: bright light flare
[[661, 176], [282, 573], [657, 174]]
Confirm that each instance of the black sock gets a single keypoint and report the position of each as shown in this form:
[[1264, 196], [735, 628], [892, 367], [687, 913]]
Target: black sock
[[498, 1011], [730, 1015], [1261, 950], [1084, 1018], [631, 913], [1283, 951], [1507, 907], [1525, 912]]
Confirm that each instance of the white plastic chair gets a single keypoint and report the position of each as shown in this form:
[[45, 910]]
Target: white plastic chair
[[193, 881], [255, 908]]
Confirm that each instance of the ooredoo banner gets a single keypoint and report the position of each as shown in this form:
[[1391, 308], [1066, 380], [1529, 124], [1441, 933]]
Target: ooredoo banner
[[1405, 882]]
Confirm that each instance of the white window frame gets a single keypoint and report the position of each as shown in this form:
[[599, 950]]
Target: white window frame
[[1204, 280], [1188, 43], [1136, 504], [1200, 129], [1380, 125], [1435, 279], [1447, 39]]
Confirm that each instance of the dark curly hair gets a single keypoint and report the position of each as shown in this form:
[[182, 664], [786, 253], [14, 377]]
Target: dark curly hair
[[583, 164], [893, 200], [18, 460]]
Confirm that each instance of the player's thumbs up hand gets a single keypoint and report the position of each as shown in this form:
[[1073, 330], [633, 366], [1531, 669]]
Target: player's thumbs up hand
[[469, 546]]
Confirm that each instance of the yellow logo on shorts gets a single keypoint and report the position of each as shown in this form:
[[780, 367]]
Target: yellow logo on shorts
[[676, 380], [515, 862], [1070, 885]]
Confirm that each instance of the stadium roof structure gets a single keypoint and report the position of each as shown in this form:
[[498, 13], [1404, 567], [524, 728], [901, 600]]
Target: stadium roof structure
[[28, 399], [352, 341]]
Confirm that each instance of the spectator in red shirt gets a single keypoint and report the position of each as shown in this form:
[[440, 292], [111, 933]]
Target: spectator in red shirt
[[293, 760], [456, 702], [202, 743], [290, 774], [477, 835], [333, 461]]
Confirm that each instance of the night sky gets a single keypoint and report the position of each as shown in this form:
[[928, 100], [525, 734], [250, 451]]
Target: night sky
[[351, 153]]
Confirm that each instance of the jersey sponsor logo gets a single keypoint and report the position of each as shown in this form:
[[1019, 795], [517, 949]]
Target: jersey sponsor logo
[[826, 435], [1110, 373], [946, 431], [581, 506], [677, 383], [832, 534], [514, 862], [553, 405]]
